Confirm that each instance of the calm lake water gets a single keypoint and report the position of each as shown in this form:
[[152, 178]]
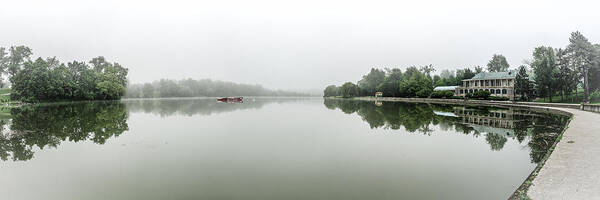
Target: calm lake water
[[268, 148]]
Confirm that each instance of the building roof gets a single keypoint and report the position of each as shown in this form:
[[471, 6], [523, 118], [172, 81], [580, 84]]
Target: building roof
[[444, 88], [447, 114], [495, 75]]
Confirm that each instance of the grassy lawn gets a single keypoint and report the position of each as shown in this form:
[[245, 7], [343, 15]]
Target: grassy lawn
[[4, 95], [572, 98]]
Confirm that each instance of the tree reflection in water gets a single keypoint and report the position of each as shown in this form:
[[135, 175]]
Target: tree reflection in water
[[46, 126], [49, 125], [539, 130]]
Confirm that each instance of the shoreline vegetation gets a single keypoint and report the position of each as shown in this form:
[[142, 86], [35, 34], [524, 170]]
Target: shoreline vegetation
[[167, 88], [568, 75], [49, 80]]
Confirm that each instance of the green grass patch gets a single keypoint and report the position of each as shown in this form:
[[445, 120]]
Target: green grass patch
[[572, 98]]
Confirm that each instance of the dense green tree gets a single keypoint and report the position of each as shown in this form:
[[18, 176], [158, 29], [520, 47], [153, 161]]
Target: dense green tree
[[523, 85], [389, 88], [349, 90], [418, 84], [369, 82], [498, 63], [51, 80], [393, 74], [545, 67], [331, 91], [391, 84]]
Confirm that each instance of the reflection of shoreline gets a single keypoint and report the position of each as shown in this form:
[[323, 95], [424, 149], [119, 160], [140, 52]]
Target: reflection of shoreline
[[49, 125], [498, 124], [165, 107]]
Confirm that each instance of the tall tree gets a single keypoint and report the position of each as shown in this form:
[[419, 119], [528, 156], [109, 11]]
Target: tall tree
[[595, 71], [331, 91], [546, 71], [3, 64], [523, 85], [567, 75], [17, 56], [498, 63], [390, 86], [349, 90], [427, 69], [478, 69], [580, 55], [369, 82]]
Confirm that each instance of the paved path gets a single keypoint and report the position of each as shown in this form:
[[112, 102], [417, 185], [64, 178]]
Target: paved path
[[573, 169]]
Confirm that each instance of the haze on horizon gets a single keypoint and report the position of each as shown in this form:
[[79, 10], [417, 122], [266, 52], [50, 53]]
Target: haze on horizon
[[291, 45]]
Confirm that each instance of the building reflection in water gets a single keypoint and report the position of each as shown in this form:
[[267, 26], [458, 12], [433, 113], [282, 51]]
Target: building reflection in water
[[537, 130]]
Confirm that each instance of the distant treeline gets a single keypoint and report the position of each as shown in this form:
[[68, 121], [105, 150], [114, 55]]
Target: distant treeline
[[200, 88], [553, 72], [50, 80], [414, 82]]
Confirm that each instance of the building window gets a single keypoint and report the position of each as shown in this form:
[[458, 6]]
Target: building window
[[497, 91], [487, 83], [476, 83], [492, 82], [492, 91], [487, 90], [461, 91], [503, 91], [471, 91]]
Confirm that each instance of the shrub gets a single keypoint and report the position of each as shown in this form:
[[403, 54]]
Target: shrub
[[595, 96], [481, 94], [457, 97], [442, 94], [424, 93], [495, 98]]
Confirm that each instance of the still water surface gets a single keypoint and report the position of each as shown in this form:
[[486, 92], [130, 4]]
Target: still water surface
[[269, 148]]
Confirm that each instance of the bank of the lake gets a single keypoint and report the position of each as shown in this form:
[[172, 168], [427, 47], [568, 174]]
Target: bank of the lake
[[571, 168]]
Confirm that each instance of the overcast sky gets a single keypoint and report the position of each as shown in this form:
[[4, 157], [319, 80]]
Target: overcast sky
[[291, 44]]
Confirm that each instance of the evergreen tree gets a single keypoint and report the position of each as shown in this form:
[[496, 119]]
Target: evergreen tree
[[523, 85]]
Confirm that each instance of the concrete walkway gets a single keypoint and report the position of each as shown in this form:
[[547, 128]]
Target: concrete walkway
[[573, 170]]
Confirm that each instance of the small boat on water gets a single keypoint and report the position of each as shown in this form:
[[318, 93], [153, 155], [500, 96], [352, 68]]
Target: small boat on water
[[231, 99]]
